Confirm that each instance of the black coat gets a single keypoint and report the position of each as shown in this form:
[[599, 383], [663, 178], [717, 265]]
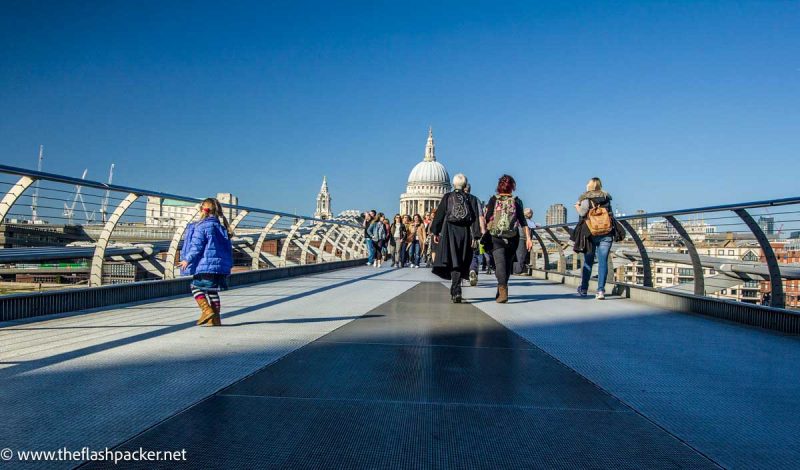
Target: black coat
[[582, 237], [454, 250]]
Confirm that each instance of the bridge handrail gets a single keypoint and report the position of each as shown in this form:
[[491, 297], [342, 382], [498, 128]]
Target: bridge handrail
[[777, 298], [698, 210], [348, 245], [44, 176]]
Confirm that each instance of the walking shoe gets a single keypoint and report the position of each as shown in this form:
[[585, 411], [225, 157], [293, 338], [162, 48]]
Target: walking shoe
[[206, 312], [582, 292], [600, 295], [215, 319], [473, 278], [502, 294], [457, 299]]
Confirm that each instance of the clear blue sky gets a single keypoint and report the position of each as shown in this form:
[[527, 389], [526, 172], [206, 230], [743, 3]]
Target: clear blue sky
[[673, 104]]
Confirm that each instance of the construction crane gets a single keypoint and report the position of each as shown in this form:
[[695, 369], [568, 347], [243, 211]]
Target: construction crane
[[104, 205], [69, 211], [35, 199]]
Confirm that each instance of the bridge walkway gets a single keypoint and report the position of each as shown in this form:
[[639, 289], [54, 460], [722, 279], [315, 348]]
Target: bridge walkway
[[366, 367]]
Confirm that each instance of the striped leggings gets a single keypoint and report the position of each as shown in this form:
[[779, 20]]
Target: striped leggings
[[211, 295]]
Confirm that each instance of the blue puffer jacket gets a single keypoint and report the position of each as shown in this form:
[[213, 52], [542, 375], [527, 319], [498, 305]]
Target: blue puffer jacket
[[207, 248]]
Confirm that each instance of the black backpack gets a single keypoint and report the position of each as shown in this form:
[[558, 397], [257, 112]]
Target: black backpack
[[459, 210]]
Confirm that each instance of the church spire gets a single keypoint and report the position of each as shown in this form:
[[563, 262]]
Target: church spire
[[430, 147], [323, 201]]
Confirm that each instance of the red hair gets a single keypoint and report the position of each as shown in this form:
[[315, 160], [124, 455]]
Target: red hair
[[506, 185]]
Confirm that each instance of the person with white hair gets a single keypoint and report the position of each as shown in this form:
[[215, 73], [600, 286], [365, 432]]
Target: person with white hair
[[455, 229], [522, 249]]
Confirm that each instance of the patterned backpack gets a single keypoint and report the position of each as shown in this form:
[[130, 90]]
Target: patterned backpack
[[504, 223], [458, 209]]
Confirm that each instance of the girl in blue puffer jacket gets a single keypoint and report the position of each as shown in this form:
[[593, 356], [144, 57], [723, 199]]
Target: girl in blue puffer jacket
[[207, 255]]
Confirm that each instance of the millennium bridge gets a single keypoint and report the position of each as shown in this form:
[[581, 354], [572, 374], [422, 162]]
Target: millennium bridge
[[323, 362]]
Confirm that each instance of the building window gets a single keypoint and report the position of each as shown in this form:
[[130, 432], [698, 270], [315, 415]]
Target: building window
[[659, 270], [669, 270], [669, 280], [659, 280], [721, 252], [730, 252]]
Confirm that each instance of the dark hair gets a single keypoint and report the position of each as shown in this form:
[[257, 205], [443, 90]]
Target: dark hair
[[506, 184]]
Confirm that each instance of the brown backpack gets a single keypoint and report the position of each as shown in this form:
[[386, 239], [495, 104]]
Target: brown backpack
[[599, 220]]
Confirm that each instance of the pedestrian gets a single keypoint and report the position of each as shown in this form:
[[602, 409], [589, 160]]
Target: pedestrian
[[597, 229], [504, 216], [523, 253], [431, 242], [456, 230], [476, 253], [377, 235], [397, 241], [416, 239], [207, 255], [368, 219], [386, 227]]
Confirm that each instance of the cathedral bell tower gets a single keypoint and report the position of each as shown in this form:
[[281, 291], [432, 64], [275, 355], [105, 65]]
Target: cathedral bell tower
[[323, 201]]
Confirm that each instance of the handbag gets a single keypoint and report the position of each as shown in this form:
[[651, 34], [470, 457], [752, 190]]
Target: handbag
[[486, 241]]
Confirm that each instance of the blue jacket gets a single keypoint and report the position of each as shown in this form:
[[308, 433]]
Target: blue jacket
[[207, 248]]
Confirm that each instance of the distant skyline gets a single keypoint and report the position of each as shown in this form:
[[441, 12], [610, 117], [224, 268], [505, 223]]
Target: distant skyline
[[673, 104]]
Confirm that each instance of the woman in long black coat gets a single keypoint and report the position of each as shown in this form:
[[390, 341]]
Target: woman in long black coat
[[456, 229]]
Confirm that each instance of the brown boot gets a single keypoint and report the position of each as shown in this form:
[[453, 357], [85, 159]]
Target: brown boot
[[215, 319], [206, 312], [502, 294]]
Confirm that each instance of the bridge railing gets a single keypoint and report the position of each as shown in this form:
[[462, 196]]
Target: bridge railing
[[95, 233], [746, 252]]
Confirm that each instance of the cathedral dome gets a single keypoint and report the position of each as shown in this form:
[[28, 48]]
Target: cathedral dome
[[429, 172], [427, 183]]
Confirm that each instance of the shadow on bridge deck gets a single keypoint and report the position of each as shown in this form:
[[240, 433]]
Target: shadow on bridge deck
[[366, 367]]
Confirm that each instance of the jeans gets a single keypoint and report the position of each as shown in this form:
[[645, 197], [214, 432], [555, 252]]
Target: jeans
[[399, 252], [371, 251], [476, 261], [414, 253], [601, 247]]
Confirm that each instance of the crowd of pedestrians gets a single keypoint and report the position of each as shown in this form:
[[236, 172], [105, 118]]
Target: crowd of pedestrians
[[464, 237], [459, 238], [404, 240]]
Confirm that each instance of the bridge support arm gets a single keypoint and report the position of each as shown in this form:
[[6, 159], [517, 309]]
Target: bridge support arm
[[239, 218], [648, 271], [171, 271], [545, 255], [328, 238], [96, 272], [289, 240], [562, 260], [13, 194], [697, 267], [777, 298], [307, 244], [260, 242]]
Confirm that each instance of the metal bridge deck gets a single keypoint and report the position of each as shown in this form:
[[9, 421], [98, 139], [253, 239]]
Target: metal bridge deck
[[375, 368]]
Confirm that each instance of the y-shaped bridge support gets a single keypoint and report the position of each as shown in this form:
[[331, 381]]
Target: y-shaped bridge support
[[13, 194], [289, 240], [254, 264], [96, 273]]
